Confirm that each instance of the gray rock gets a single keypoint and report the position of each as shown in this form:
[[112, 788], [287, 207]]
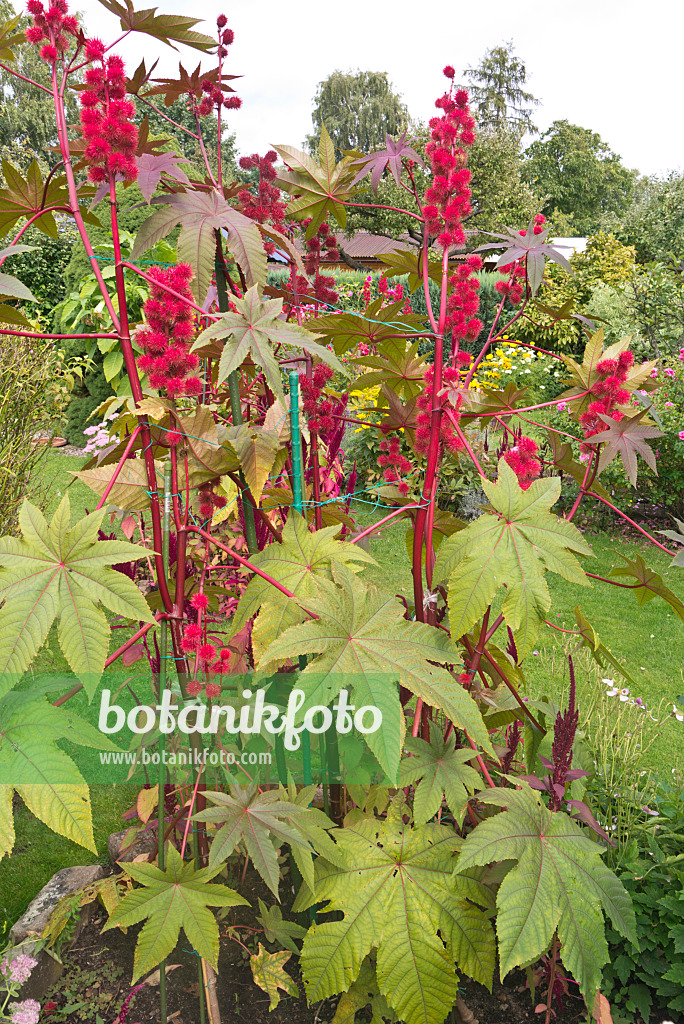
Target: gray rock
[[63, 883], [121, 841]]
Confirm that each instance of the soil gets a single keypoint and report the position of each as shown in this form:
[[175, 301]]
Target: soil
[[240, 1000]]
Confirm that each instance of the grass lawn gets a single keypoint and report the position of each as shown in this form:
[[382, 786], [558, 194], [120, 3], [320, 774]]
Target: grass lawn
[[648, 640]]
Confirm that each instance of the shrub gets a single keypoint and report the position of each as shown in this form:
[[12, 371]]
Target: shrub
[[34, 391]]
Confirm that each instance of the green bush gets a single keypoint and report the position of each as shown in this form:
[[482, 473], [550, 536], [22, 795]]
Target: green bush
[[34, 390]]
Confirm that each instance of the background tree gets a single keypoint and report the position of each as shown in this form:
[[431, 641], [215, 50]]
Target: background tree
[[498, 98], [654, 222], [27, 114], [579, 177], [358, 109]]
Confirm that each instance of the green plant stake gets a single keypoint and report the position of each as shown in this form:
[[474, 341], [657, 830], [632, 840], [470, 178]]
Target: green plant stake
[[163, 647]]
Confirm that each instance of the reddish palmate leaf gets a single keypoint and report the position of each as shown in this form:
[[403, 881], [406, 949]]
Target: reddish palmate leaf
[[151, 167], [391, 158], [649, 584], [169, 28], [536, 249], [626, 439], [188, 84], [319, 189]]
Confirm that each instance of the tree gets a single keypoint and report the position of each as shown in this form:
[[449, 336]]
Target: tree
[[358, 109], [497, 94], [654, 222], [27, 114], [579, 177]]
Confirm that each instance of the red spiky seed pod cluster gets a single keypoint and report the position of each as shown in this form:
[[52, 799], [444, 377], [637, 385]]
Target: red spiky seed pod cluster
[[50, 29], [266, 206], [448, 198], [514, 286], [447, 433], [463, 302], [317, 407], [107, 118], [607, 393], [322, 247], [212, 94], [209, 500], [168, 333], [395, 464], [522, 460]]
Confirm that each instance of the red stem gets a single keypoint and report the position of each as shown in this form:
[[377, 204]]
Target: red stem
[[164, 287], [592, 494], [33, 334]]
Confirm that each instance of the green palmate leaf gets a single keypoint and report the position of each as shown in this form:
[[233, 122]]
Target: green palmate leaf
[[559, 882], [130, 492], [396, 890], [363, 643], [269, 974], [168, 901], [513, 545], [378, 324], [9, 39], [15, 289], [648, 584], [261, 822], [626, 439], [43, 774], [255, 329], [410, 261], [200, 215], [25, 197], [60, 572], [399, 367], [599, 652], [320, 189], [169, 28], [260, 452], [563, 459], [362, 992], [295, 563], [442, 770], [277, 929]]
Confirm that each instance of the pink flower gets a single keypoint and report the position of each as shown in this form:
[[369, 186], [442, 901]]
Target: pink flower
[[681, 435], [654, 372], [669, 372], [26, 1012], [562, 406], [669, 405], [681, 354]]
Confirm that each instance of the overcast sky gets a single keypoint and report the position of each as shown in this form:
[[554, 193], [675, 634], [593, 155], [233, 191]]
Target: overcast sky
[[613, 66]]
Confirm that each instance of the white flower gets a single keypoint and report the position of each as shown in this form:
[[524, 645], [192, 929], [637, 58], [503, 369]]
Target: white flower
[[616, 691], [679, 715]]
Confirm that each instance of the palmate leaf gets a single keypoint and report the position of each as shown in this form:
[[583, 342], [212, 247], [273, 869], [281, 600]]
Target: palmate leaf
[[168, 901], [269, 974], [302, 557], [262, 822], [130, 492], [9, 39], [331, 514], [43, 774], [169, 28], [398, 366], [187, 83], [391, 158], [200, 215], [535, 249], [378, 324], [410, 261], [515, 545], [362, 642], [260, 453], [559, 882], [277, 929], [648, 584], [626, 439], [599, 652], [564, 460], [441, 770], [255, 329], [396, 889], [678, 537], [151, 167], [60, 572], [362, 992], [584, 376], [26, 197], [320, 188]]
